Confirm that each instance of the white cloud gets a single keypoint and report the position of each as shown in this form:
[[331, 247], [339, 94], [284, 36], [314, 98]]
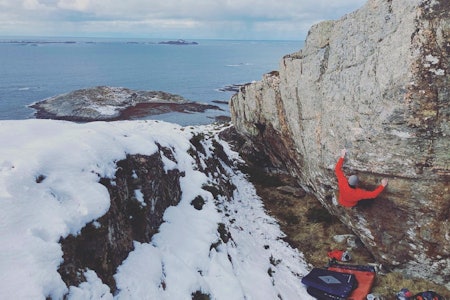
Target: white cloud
[[31, 4], [78, 5], [272, 19]]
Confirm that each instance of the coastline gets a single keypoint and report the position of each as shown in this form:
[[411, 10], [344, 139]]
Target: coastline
[[135, 112], [104, 103]]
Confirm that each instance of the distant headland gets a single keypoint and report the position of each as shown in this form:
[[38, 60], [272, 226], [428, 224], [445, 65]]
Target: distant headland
[[178, 42]]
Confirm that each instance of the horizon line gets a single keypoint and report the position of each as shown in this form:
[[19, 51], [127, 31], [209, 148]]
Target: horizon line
[[139, 38]]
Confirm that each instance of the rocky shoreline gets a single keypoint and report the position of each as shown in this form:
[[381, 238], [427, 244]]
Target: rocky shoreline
[[104, 103]]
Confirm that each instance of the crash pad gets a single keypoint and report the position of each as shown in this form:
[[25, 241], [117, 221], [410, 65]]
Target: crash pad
[[365, 276], [329, 283]]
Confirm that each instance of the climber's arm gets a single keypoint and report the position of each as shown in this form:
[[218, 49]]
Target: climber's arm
[[338, 170]]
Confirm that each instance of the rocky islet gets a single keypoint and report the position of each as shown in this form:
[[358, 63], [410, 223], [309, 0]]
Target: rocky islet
[[105, 103]]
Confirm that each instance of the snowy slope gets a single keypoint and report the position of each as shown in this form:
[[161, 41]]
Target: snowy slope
[[35, 213]]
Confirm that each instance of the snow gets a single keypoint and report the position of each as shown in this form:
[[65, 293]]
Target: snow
[[49, 188], [93, 288], [139, 197], [107, 110]]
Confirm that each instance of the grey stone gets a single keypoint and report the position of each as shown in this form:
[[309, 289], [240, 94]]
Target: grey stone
[[375, 82]]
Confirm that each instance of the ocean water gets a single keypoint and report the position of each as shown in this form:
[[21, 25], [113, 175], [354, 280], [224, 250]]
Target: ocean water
[[33, 69]]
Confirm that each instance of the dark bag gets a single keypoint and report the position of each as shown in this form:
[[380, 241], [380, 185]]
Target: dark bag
[[428, 295], [330, 282], [321, 295]]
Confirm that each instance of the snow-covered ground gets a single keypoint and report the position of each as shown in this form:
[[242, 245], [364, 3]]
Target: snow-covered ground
[[49, 188]]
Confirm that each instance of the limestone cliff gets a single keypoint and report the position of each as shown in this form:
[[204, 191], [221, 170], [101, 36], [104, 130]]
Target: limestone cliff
[[377, 83]]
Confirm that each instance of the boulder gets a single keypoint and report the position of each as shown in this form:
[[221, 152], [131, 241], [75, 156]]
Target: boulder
[[375, 82]]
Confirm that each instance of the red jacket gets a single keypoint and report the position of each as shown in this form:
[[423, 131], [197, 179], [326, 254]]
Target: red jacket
[[349, 196]]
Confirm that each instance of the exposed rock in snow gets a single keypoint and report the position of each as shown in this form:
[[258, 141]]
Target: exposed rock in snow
[[140, 192], [69, 202]]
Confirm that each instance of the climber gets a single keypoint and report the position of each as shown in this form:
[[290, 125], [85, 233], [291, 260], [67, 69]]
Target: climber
[[349, 193]]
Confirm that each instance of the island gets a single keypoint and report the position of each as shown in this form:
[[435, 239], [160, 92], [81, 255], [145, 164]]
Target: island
[[105, 103], [178, 42]]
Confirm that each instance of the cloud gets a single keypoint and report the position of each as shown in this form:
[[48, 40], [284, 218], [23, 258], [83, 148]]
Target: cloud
[[270, 19], [77, 5], [31, 4]]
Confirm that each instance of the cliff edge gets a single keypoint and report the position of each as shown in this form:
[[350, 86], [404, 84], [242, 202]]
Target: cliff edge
[[375, 82]]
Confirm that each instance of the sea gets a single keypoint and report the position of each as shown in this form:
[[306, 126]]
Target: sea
[[35, 68]]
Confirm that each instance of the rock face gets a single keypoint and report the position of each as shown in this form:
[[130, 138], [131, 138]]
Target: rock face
[[104, 103], [377, 83], [104, 244]]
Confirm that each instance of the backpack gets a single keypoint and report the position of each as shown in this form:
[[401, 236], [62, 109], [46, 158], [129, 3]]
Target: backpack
[[340, 255], [428, 295]]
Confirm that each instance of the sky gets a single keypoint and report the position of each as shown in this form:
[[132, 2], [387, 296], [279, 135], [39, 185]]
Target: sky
[[186, 19]]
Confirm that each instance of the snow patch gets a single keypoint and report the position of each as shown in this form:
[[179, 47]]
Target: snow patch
[[168, 164], [107, 110], [139, 197], [93, 289], [49, 183]]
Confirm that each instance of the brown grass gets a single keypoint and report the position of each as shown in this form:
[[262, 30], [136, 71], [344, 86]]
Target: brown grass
[[310, 228]]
